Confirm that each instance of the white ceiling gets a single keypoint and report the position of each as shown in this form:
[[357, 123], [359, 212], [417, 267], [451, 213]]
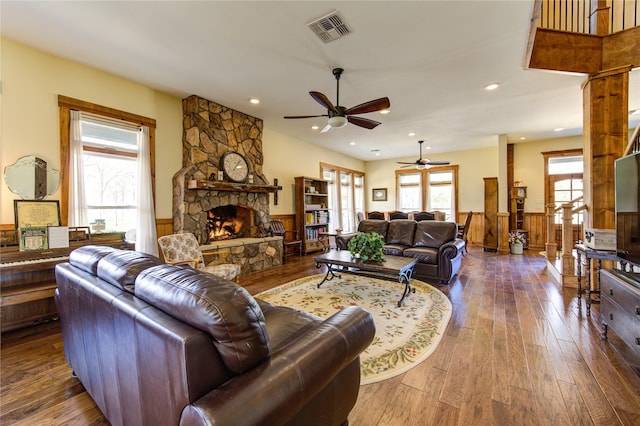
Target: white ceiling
[[431, 58]]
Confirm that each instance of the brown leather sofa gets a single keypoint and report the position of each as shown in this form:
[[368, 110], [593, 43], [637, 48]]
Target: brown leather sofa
[[158, 344], [434, 243]]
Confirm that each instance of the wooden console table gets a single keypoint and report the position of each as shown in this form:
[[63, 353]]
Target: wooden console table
[[28, 280], [599, 255]]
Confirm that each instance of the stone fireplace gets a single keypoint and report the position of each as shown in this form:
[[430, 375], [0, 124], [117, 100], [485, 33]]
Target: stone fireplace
[[223, 215]]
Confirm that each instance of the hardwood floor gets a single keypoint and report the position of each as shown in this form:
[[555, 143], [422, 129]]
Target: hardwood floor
[[517, 350]]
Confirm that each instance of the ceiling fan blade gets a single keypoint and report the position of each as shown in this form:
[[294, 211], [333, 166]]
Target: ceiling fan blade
[[403, 162], [305, 116], [323, 100], [326, 128], [408, 165], [363, 122], [371, 106], [438, 163]]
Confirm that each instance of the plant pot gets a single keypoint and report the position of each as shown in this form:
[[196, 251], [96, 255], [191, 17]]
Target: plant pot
[[516, 248]]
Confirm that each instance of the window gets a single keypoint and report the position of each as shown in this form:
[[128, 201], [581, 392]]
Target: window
[[347, 216], [410, 192], [432, 189], [107, 150], [441, 193], [346, 196], [109, 166], [358, 193], [564, 174]]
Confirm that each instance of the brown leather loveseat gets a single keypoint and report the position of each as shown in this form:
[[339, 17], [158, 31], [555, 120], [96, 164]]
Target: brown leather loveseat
[[433, 243], [158, 344]]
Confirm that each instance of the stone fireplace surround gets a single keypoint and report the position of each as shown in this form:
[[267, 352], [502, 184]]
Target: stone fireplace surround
[[209, 131]]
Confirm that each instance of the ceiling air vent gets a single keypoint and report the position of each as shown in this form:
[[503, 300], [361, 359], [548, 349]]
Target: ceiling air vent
[[330, 27]]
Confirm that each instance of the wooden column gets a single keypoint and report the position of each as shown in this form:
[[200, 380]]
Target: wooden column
[[551, 247], [606, 124], [490, 239]]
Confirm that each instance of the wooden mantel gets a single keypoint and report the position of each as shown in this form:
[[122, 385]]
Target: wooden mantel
[[234, 187]]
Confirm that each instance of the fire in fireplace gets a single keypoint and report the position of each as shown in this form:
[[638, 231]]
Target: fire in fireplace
[[227, 222]]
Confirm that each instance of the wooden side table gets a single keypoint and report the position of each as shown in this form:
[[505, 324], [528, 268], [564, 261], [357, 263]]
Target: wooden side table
[[599, 255]]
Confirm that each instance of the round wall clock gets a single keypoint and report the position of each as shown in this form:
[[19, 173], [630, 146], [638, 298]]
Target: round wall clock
[[235, 166]]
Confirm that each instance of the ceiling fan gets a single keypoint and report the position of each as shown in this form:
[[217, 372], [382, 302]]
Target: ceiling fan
[[338, 115], [421, 163]]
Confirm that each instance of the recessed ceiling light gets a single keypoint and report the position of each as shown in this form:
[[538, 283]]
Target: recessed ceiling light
[[378, 153], [558, 129], [384, 111], [352, 143], [412, 134], [254, 101], [491, 86], [522, 138], [427, 147], [314, 127]]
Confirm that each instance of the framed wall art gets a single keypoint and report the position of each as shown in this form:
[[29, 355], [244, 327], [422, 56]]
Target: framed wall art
[[34, 213], [379, 194]]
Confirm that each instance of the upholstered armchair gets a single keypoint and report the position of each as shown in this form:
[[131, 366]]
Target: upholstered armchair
[[183, 249]]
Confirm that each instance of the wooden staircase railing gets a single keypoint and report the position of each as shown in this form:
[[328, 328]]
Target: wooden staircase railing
[[634, 142], [568, 266], [579, 16]]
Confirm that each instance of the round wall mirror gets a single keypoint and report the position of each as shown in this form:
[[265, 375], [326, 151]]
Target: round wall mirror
[[31, 178]]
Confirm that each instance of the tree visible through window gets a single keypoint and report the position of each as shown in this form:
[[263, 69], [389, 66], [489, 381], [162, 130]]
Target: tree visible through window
[[110, 173]]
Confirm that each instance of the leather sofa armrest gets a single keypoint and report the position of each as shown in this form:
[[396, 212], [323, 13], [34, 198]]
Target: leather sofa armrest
[[342, 241], [275, 390], [450, 250]]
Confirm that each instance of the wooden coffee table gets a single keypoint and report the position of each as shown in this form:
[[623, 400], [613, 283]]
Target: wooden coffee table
[[391, 267]]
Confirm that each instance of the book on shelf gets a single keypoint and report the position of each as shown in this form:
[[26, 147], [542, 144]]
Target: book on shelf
[[314, 233], [313, 218]]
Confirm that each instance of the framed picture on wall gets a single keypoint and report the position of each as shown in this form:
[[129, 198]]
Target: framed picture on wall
[[379, 194], [33, 213]]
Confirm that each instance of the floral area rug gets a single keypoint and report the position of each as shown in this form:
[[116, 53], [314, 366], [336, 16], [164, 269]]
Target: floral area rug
[[405, 335]]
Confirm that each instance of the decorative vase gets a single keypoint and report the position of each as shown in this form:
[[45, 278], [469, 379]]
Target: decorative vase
[[516, 248]]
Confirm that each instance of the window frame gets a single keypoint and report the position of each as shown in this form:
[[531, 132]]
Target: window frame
[[336, 222], [66, 105], [424, 183]]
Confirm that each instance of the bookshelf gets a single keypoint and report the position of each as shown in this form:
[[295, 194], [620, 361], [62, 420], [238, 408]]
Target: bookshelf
[[312, 212]]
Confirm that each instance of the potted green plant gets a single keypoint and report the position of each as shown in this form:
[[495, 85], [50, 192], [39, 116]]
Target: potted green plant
[[516, 242], [366, 246]]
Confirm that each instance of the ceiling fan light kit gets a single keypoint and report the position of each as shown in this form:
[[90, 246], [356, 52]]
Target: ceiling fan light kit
[[338, 121], [339, 116]]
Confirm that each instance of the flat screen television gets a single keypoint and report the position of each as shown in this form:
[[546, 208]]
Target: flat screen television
[[627, 188]]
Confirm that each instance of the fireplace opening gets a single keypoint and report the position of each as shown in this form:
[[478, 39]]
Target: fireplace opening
[[228, 222]]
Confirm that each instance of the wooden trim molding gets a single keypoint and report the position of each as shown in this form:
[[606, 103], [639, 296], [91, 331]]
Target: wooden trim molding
[[65, 105], [78, 105], [338, 168]]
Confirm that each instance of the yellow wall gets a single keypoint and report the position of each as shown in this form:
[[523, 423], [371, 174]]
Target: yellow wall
[[473, 166], [31, 83], [528, 166], [286, 157]]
